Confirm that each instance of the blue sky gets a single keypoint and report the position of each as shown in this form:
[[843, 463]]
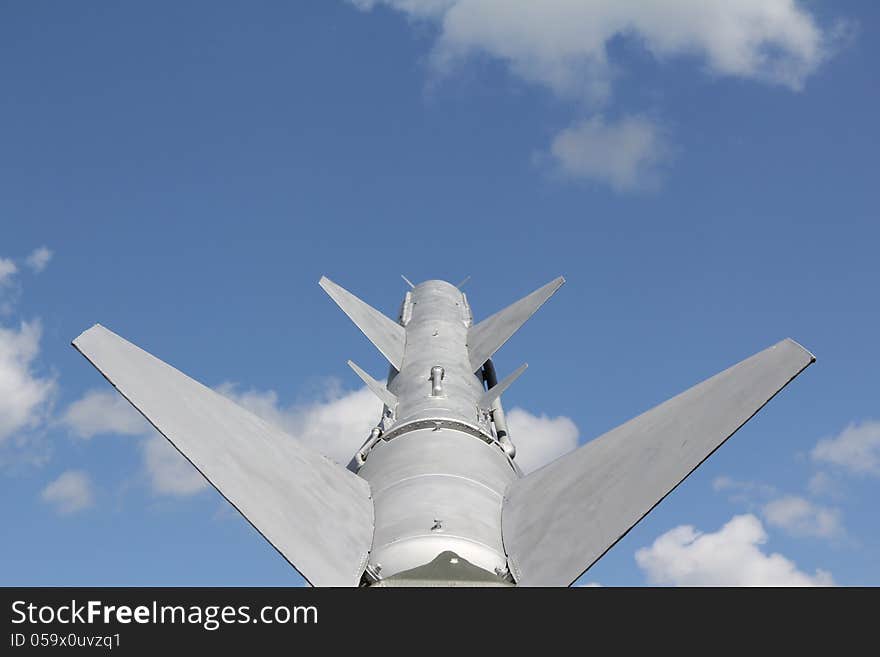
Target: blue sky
[[703, 174]]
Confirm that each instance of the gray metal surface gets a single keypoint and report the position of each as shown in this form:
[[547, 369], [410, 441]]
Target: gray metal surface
[[376, 387], [315, 513], [495, 391], [435, 491], [436, 336], [385, 334], [560, 519], [447, 569], [486, 338], [438, 473], [438, 498]]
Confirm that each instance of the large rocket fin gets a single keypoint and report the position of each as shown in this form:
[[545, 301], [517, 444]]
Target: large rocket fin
[[557, 521], [486, 338], [388, 336], [314, 512]]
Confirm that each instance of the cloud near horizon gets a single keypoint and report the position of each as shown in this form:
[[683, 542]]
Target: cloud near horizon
[[731, 556], [335, 425]]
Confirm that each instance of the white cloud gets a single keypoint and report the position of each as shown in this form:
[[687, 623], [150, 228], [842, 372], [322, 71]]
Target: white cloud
[[563, 44], [70, 492], [39, 258], [822, 484], [335, 426], [104, 412], [741, 491], [627, 154], [800, 517], [724, 483], [793, 514], [24, 395], [8, 269], [732, 556], [856, 449], [540, 439]]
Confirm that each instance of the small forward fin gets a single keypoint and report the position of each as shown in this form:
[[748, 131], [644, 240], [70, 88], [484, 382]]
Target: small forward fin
[[486, 338], [495, 391], [376, 387], [388, 336]]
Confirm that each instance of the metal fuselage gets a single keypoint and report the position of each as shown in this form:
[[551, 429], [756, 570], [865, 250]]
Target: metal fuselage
[[437, 499], [438, 474]]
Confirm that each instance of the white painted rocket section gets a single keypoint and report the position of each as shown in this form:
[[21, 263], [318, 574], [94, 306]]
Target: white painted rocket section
[[560, 519], [315, 513], [438, 475]]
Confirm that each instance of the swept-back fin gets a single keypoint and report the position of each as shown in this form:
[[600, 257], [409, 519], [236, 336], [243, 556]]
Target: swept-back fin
[[388, 336], [486, 338], [495, 391], [557, 521], [317, 514], [376, 387]]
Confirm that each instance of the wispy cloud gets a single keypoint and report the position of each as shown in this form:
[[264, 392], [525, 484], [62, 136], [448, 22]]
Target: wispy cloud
[[794, 514], [563, 46], [821, 483], [335, 425], [339, 423], [732, 556], [39, 259], [104, 412], [741, 490], [8, 269], [628, 154], [72, 491], [24, 395], [800, 517], [856, 449]]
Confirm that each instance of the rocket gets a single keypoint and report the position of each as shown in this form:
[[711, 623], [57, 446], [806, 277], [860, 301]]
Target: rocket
[[434, 496]]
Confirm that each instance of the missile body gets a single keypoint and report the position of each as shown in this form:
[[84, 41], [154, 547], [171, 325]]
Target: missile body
[[434, 496], [439, 473]]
